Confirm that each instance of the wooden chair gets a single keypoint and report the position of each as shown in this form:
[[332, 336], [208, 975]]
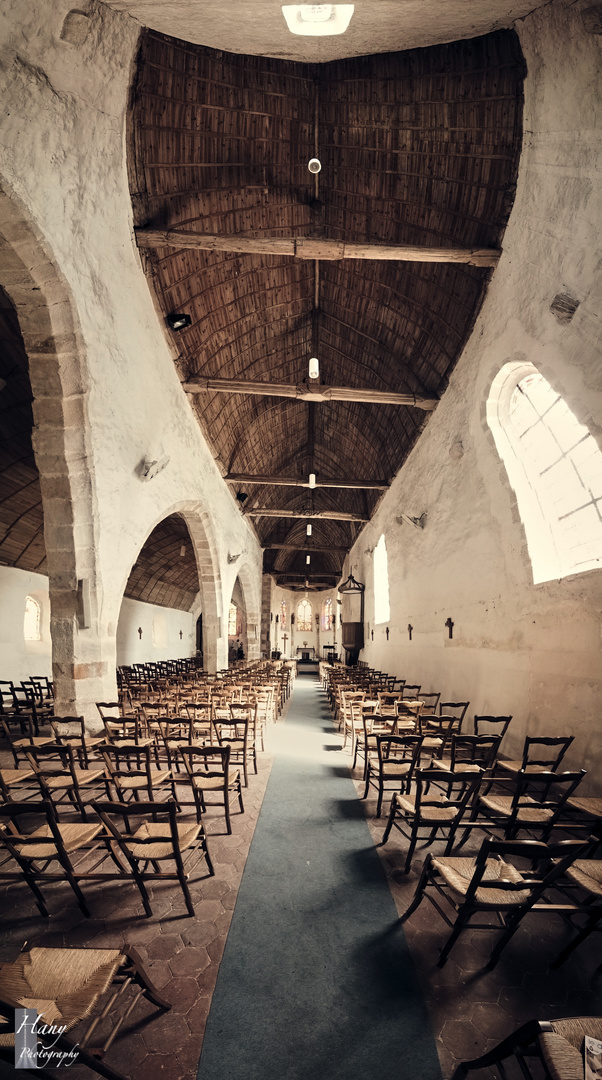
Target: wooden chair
[[131, 775], [439, 813], [492, 884], [530, 807], [19, 744], [44, 852], [557, 1044], [155, 837], [430, 703], [583, 878], [373, 724], [411, 691], [471, 753], [540, 754], [208, 769], [68, 986], [394, 762], [71, 731], [59, 777], [237, 736], [17, 778], [454, 708]]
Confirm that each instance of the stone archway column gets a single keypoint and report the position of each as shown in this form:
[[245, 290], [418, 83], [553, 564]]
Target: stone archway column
[[81, 662]]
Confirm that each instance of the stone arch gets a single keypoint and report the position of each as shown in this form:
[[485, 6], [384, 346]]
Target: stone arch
[[55, 352], [202, 534], [250, 587]]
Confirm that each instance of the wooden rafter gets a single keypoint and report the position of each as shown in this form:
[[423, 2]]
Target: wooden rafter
[[312, 248], [307, 392], [329, 515]]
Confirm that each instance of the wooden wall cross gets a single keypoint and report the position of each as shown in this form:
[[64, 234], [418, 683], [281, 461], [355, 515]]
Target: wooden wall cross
[[450, 626], [410, 628], [387, 633], [181, 635], [140, 631]]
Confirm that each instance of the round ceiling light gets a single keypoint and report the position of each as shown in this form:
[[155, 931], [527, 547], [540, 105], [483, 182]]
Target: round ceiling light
[[314, 165]]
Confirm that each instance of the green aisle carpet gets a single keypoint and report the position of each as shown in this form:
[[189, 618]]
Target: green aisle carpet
[[315, 984]]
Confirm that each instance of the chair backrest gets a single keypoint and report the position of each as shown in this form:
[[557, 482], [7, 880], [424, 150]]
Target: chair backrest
[[478, 750], [68, 727], [411, 691], [454, 708], [16, 838], [50, 760], [541, 751], [399, 748], [461, 787], [204, 759], [535, 788], [387, 702], [485, 725], [116, 816], [128, 760], [430, 703]]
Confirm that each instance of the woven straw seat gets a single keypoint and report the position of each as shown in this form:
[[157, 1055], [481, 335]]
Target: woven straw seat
[[213, 781], [133, 783], [84, 776], [590, 806], [502, 804], [588, 874], [187, 834], [10, 778], [395, 761], [208, 769], [458, 873], [62, 984], [73, 835], [439, 812]]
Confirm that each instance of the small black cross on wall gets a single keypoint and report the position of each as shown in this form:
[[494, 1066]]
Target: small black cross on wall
[[410, 628], [139, 631], [387, 632], [181, 635], [450, 626]]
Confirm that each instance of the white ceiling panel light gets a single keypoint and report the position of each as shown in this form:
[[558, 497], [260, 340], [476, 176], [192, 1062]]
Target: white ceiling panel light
[[317, 20]]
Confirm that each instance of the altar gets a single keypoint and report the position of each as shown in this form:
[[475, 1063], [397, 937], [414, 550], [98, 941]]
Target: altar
[[306, 652]]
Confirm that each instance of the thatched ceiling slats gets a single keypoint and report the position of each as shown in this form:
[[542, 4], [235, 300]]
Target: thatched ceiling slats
[[416, 148]]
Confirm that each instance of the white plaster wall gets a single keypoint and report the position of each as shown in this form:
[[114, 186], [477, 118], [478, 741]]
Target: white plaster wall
[[160, 627], [63, 112], [530, 650], [19, 659]]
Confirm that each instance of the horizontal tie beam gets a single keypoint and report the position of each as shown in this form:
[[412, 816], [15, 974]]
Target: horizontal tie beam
[[327, 515], [300, 247], [291, 481], [307, 392]]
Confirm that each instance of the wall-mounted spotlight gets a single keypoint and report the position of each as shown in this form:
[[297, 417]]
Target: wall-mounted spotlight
[[178, 322], [312, 480], [308, 559], [308, 530], [314, 368], [314, 165]]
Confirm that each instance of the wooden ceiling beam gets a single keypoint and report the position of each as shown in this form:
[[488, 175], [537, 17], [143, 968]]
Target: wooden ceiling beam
[[291, 481], [312, 248], [307, 392], [327, 515], [304, 547]]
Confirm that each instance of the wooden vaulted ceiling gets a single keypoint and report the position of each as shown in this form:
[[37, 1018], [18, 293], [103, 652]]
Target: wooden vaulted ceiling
[[418, 148]]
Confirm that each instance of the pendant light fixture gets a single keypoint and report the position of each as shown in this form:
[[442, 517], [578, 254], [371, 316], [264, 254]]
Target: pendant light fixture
[[314, 368], [312, 480], [308, 529]]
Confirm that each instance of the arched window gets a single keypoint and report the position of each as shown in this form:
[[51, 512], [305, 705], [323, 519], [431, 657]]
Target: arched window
[[555, 467], [31, 620], [304, 617], [381, 582], [327, 616], [232, 616], [283, 613]]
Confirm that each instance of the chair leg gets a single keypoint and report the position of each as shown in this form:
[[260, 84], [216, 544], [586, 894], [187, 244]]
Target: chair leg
[[525, 1035], [227, 811], [460, 923], [390, 821], [381, 791], [413, 841], [590, 925], [419, 894]]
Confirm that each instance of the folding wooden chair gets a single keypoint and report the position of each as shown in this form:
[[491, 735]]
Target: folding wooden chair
[[72, 985]]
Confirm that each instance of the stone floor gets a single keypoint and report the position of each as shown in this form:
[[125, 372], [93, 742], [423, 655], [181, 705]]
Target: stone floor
[[470, 1010]]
